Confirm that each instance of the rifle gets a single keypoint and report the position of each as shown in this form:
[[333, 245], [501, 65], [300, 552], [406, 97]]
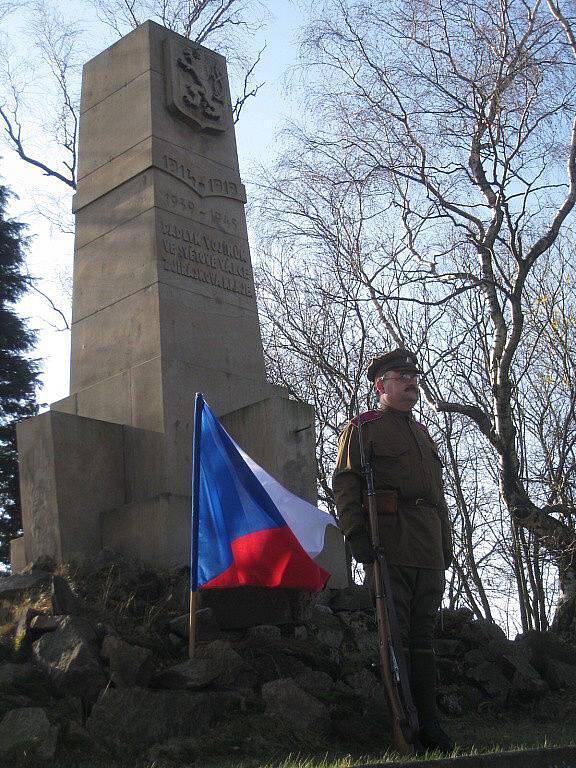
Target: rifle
[[403, 715]]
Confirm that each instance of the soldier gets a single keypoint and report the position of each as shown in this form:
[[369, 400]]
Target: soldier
[[414, 532]]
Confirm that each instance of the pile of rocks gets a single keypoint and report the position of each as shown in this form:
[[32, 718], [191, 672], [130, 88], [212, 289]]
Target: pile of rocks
[[103, 668]]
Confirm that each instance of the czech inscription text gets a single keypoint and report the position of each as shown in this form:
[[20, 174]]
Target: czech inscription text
[[208, 259]]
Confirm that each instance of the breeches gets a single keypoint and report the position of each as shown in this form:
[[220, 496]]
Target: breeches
[[417, 595]]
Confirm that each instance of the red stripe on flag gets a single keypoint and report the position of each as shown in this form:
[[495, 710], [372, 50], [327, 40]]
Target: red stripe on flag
[[270, 558]]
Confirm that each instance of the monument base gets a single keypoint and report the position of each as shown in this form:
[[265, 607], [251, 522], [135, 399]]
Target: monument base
[[88, 484]]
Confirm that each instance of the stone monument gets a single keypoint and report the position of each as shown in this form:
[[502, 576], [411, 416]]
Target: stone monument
[[163, 306]]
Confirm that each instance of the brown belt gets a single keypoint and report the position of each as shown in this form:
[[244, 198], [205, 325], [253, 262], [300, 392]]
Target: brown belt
[[387, 503]]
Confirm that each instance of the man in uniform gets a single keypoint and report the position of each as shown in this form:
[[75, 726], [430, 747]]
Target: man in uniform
[[414, 531]]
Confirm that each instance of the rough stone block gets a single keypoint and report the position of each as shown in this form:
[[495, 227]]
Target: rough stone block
[[278, 434], [116, 338], [17, 554], [156, 531], [333, 558], [123, 203], [107, 400], [147, 395], [118, 110], [116, 124], [118, 65], [134, 161], [26, 733], [117, 264], [145, 471], [71, 469]]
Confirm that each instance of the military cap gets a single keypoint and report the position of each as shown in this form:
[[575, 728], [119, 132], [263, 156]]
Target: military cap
[[397, 360]]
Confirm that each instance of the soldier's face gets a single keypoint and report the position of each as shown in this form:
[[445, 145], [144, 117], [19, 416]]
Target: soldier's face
[[398, 390]]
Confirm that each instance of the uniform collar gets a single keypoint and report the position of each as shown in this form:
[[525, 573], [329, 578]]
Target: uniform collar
[[408, 415]]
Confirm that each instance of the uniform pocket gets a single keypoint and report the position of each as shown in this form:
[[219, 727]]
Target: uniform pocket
[[386, 504]]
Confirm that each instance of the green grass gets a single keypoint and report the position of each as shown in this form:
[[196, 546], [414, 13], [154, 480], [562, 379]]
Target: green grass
[[290, 761]]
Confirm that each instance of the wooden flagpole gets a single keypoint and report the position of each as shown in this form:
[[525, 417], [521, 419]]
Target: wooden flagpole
[[199, 401], [192, 624]]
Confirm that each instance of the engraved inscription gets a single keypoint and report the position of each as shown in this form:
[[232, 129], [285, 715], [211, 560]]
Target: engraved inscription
[[196, 86], [203, 184], [187, 252], [187, 206]]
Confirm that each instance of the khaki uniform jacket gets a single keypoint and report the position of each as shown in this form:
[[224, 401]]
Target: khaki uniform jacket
[[404, 459]]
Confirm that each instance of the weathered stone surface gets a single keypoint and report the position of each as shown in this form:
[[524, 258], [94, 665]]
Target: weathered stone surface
[[76, 738], [193, 674], [15, 673], [490, 679], [353, 598], [363, 683], [224, 658], [60, 515], [70, 660], [286, 700], [18, 554], [45, 622], [175, 751], [130, 665], [14, 586], [449, 647], [64, 601], [272, 663], [176, 642], [162, 270], [135, 718], [27, 733], [264, 632], [326, 627], [206, 625], [314, 682], [559, 674], [449, 669], [23, 636], [40, 563], [362, 626], [450, 702], [482, 632], [526, 682]]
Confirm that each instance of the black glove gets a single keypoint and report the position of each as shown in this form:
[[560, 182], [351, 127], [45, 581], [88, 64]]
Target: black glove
[[361, 548]]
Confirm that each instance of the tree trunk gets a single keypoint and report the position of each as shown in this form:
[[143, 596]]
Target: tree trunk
[[565, 615]]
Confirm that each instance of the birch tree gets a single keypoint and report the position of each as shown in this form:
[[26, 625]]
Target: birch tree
[[456, 125]]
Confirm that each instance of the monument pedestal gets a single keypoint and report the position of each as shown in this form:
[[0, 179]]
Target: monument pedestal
[[164, 306]]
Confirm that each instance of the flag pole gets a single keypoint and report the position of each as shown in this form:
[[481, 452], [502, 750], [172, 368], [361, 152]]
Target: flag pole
[[192, 624], [198, 404]]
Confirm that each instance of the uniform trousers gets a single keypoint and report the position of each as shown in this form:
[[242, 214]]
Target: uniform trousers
[[417, 596]]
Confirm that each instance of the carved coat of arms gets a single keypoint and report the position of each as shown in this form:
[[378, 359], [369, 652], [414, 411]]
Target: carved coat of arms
[[196, 86]]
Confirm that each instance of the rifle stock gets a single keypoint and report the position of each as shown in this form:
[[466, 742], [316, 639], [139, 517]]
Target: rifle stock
[[404, 719]]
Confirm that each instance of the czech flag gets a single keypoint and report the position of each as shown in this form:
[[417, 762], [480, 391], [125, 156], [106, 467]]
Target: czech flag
[[246, 528]]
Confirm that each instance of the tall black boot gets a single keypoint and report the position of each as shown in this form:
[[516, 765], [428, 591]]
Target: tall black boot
[[423, 684]]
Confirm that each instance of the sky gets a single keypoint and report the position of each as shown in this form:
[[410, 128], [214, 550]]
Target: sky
[[50, 255]]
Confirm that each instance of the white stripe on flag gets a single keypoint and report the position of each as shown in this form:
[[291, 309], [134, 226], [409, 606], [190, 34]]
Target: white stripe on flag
[[308, 523]]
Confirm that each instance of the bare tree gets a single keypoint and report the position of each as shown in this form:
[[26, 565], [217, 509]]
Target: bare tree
[[40, 87], [455, 124]]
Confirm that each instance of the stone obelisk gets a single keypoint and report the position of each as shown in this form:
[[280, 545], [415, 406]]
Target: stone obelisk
[[163, 306]]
